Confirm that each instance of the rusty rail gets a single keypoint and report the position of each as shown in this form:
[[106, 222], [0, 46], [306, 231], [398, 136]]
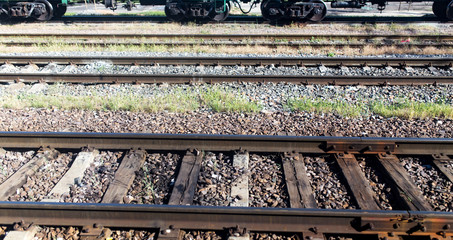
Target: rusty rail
[[173, 78], [254, 143], [175, 218], [23, 43], [252, 61], [228, 36], [250, 19]]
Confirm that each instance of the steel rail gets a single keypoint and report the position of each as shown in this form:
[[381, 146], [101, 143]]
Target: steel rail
[[221, 218], [252, 143], [251, 19], [227, 36], [237, 44], [149, 78], [233, 61]]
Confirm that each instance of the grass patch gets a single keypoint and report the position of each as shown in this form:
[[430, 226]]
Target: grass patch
[[324, 106], [403, 108], [70, 14], [412, 109], [220, 100], [175, 100]]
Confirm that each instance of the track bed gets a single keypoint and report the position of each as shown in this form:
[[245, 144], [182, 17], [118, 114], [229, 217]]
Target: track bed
[[216, 176]]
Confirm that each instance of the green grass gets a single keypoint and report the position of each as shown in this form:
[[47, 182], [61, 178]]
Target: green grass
[[177, 100], [403, 108], [70, 14], [324, 106], [216, 99], [220, 100], [412, 109], [174, 102]]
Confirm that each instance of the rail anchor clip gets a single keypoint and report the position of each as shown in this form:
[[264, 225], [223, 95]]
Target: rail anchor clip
[[359, 147]]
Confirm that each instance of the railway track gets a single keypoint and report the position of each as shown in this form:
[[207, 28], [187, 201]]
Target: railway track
[[217, 40], [229, 61], [434, 65], [228, 36], [232, 44], [228, 43], [194, 79], [250, 19], [412, 217]]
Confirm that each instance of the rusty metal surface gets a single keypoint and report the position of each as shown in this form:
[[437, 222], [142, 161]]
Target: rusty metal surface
[[270, 44], [220, 218], [252, 143], [141, 78], [279, 61], [239, 19], [230, 36]]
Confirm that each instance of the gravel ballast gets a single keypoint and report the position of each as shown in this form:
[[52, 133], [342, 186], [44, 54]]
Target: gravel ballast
[[267, 187], [215, 179], [152, 184], [108, 68], [272, 97], [382, 190], [295, 123], [38, 185], [433, 184], [325, 179], [11, 161], [96, 179]]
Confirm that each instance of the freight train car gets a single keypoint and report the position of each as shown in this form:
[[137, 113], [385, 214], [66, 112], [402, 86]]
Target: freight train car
[[217, 10], [273, 10], [42, 10]]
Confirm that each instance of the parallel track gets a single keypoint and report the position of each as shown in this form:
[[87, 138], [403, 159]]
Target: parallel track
[[250, 19], [216, 40], [169, 220], [227, 61], [149, 78], [233, 44], [228, 36]]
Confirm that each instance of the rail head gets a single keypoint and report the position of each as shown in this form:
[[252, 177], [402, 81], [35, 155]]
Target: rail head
[[220, 218], [252, 143]]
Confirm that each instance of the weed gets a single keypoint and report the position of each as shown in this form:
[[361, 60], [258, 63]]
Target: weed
[[411, 109], [3, 171], [148, 185], [402, 108], [220, 100], [323, 106], [330, 54]]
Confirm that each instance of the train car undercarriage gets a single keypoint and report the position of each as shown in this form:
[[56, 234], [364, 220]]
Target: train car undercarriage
[[41, 10], [178, 10], [275, 10]]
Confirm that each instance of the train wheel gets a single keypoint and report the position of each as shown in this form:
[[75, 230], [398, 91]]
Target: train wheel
[[440, 9], [174, 13], [59, 10], [450, 11], [220, 12], [4, 14], [47, 14], [272, 10], [319, 11]]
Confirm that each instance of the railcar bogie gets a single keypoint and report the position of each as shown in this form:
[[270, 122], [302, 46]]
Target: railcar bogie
[[41, 10], [178, 10]]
